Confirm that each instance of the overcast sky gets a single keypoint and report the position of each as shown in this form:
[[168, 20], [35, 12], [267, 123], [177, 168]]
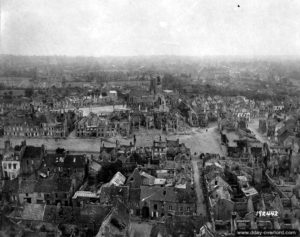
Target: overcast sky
[[150, 27]]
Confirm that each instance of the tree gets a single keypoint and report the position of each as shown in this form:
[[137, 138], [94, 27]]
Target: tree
[[60, 151], [108, 171], [28, 92]]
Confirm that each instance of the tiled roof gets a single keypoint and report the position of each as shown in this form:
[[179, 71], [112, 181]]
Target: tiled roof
[[50, 160], [45, 186], [10, 186], [93, 214], [158, 194], [66, 214], [118, 220], [53, 185], [89, 214], [113, 191], [134, 195], [29, 212], [63, 184], [27, 186]]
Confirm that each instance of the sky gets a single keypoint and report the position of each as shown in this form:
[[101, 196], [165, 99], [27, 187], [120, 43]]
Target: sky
[[150, 27]]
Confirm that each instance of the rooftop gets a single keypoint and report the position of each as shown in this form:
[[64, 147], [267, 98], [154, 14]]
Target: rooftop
[[118, 179], [86, 194], [249, 191]]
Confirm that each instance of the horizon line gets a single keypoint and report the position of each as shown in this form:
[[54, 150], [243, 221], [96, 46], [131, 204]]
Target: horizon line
[[157, 55]]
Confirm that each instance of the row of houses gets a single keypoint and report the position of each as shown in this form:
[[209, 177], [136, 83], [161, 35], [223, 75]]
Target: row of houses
[[52, 124], [153, 182]]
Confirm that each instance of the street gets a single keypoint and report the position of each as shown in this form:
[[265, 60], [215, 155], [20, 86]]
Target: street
[[201, 208], [204, 142], [253, 126]]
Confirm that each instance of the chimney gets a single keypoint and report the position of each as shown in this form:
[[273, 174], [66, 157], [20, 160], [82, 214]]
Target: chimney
[[233, 222], [298, 180], [58, 208], [19, 180], [7, 145]]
